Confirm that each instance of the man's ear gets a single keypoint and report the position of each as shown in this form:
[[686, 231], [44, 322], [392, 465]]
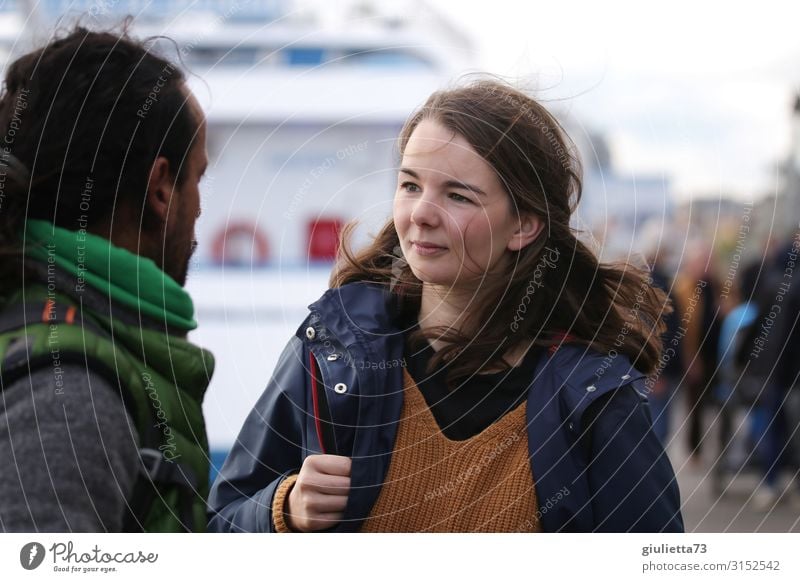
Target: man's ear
[[160, 186], [530, 226]]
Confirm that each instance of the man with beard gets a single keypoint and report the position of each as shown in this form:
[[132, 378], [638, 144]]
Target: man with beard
[[102, 148]]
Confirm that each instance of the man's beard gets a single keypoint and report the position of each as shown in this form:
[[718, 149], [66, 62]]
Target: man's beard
[[178, 250]]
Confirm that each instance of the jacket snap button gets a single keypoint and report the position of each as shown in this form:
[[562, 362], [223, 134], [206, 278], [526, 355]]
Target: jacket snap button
[[626, 376], [590, 388], [310, 333], [571, 426], [333, 357], [340, 388]]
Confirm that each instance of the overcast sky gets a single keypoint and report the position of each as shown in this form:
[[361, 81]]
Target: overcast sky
[[699, 91]]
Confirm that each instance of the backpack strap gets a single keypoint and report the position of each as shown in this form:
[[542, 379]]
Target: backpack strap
[[17, 361], [155, 469]]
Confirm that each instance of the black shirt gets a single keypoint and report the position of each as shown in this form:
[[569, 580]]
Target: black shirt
[[476, 402]]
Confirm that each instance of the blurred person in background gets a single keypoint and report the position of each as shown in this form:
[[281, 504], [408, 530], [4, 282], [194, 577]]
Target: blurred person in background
[[101, 427], [766, 363], [735, 450], [788, 372], [663, 384], [695, 298], [474, 368]]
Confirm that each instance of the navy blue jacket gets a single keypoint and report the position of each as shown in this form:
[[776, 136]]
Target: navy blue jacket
[[611, 476]]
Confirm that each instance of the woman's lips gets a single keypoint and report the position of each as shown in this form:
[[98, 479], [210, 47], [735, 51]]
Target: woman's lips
[[427, 249]]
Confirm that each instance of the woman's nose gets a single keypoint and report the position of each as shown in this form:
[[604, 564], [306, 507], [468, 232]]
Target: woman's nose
[[425, 212]]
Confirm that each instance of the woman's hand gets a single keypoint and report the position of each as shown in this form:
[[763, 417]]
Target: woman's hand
[[319, 496]]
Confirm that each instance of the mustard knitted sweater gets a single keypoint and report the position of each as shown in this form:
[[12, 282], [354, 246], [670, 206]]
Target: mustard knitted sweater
[[434, 484]]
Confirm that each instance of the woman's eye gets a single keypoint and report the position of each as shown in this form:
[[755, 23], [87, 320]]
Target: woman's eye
[[459, 197], [409, 187]]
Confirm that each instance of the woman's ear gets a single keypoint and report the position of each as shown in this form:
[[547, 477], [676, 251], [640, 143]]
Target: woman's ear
[[530, 226], [160, 186]]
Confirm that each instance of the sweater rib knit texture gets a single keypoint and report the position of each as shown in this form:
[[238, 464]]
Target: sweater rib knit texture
[[434, 484], [279, 504]]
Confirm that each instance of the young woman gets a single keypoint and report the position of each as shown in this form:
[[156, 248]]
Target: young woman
[[474, 368]]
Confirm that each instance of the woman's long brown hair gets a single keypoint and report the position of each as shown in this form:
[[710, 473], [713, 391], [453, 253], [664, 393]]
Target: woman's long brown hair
[[555, 285]]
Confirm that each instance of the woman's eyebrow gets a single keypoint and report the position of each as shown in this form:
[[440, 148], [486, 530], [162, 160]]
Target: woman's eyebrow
[[464, 186], [448, 183]]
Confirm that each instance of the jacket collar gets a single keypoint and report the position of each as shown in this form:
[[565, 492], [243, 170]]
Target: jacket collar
[[360, 315], [363, 316]]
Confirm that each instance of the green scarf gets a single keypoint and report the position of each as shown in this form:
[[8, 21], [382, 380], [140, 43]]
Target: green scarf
[[125, 277]]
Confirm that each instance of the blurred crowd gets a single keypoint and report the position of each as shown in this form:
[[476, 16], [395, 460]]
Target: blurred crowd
[[728, 382]]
